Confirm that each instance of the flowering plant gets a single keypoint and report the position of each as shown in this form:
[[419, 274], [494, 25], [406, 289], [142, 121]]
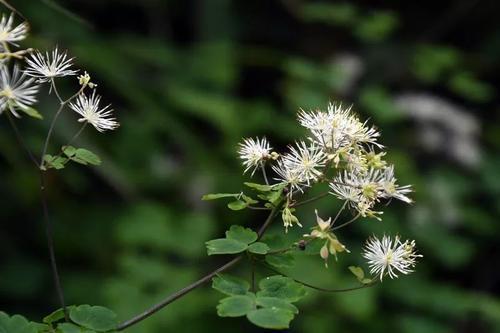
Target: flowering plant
[[340, 152]]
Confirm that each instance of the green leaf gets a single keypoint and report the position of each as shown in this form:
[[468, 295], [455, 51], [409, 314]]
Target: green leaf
[[84, 156], [31, 112], [55, 162], [69, 150], [225, 246], [281, 287], [271, 318], [281, 260], [15, 324], [97, 318], [68, 328], [237, 205], [273, 302], [56, 315], [215, 196], [259, 187], [258, 248], [230, 285], [241, 234], [235, 306], [41, 328], [249, 200]]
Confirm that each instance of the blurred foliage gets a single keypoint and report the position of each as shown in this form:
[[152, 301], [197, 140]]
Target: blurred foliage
[[190, 78]]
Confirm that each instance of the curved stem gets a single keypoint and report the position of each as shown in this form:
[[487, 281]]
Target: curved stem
[[264, 174], [54, 120], [178, 294], [317, 197], [80, 131], [346, 223], [53, 86], [20, 139], [327, 290], [49, 133]]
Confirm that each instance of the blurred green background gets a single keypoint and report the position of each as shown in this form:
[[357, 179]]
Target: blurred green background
[[188, 79]]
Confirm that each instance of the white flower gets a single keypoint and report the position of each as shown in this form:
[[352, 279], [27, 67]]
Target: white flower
[[390, 257], [290, 176], [9, 34], [391, 189], [254, 153], [16, 90], [337, 128], [88, 108], [47, 67], [305, 161], [360, 190]]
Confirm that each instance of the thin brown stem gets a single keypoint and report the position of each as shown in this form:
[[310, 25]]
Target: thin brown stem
[[180, 293], [157, 307], [268, 221], [43, 197], [50, 245]]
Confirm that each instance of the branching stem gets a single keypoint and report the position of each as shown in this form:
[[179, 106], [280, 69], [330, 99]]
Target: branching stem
[[180, 293]]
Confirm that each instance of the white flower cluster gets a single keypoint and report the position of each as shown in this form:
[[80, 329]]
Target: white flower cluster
[[19, 87], [341, 150]]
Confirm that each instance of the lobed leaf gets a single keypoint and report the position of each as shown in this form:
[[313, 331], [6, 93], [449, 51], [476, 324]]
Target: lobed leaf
[[225, 246], [271, 318], [281, 287], [235, 306], [230, 285], [15, 324], [241, 234], [97, 318], [258, 248], [274, 302]]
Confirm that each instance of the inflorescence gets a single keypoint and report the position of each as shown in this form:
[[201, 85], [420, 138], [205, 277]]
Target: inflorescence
[[343, 152]]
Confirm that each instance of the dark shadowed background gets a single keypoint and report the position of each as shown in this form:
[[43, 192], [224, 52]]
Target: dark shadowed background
[[188, 79]]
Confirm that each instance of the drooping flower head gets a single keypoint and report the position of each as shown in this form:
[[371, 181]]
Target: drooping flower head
[[254, 153], [88, 108], [331, 243], [45, 68], [390, 256], [16, 90], [10, 34]]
